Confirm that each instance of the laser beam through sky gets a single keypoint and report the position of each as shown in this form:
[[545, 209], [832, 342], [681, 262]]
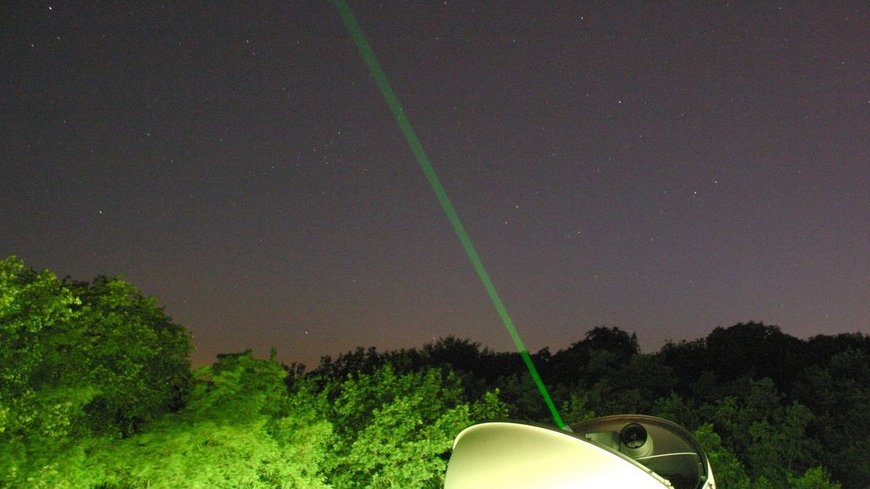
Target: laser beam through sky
[[420, 154]]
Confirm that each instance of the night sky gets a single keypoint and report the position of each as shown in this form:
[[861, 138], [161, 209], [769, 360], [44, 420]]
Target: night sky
[[661, 167]]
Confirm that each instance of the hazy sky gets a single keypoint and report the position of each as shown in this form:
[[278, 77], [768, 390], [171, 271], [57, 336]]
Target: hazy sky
[[662, 167]]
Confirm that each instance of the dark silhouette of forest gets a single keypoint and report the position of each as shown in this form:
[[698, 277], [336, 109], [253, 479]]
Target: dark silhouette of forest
[[96, 391]]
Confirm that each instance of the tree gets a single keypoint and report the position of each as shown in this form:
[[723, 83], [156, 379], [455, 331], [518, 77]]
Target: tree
[[632, 385], [839, 396], [241, 428], [457, 354], [779, 446], [769, 438], [78, 359], [38, 410], [603, 350], [134, 355], [727, 468], [524, 401], [814, 478], [614, 340], [394, 430], [690, 365], [756, 350]]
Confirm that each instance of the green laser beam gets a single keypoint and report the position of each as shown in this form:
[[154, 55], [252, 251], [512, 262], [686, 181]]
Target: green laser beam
[[389, 95]]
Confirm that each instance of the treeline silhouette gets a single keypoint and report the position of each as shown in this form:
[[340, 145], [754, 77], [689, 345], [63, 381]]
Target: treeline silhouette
[[744, 376], [96, 392]]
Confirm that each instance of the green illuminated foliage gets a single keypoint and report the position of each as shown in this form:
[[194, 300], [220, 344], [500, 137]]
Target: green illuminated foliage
[[395, 430], [133, 355], [771, 437], [727, 469], [77, 360], [40, 401], [241, 428], [33, 307], [780, 446], [814, 478]]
